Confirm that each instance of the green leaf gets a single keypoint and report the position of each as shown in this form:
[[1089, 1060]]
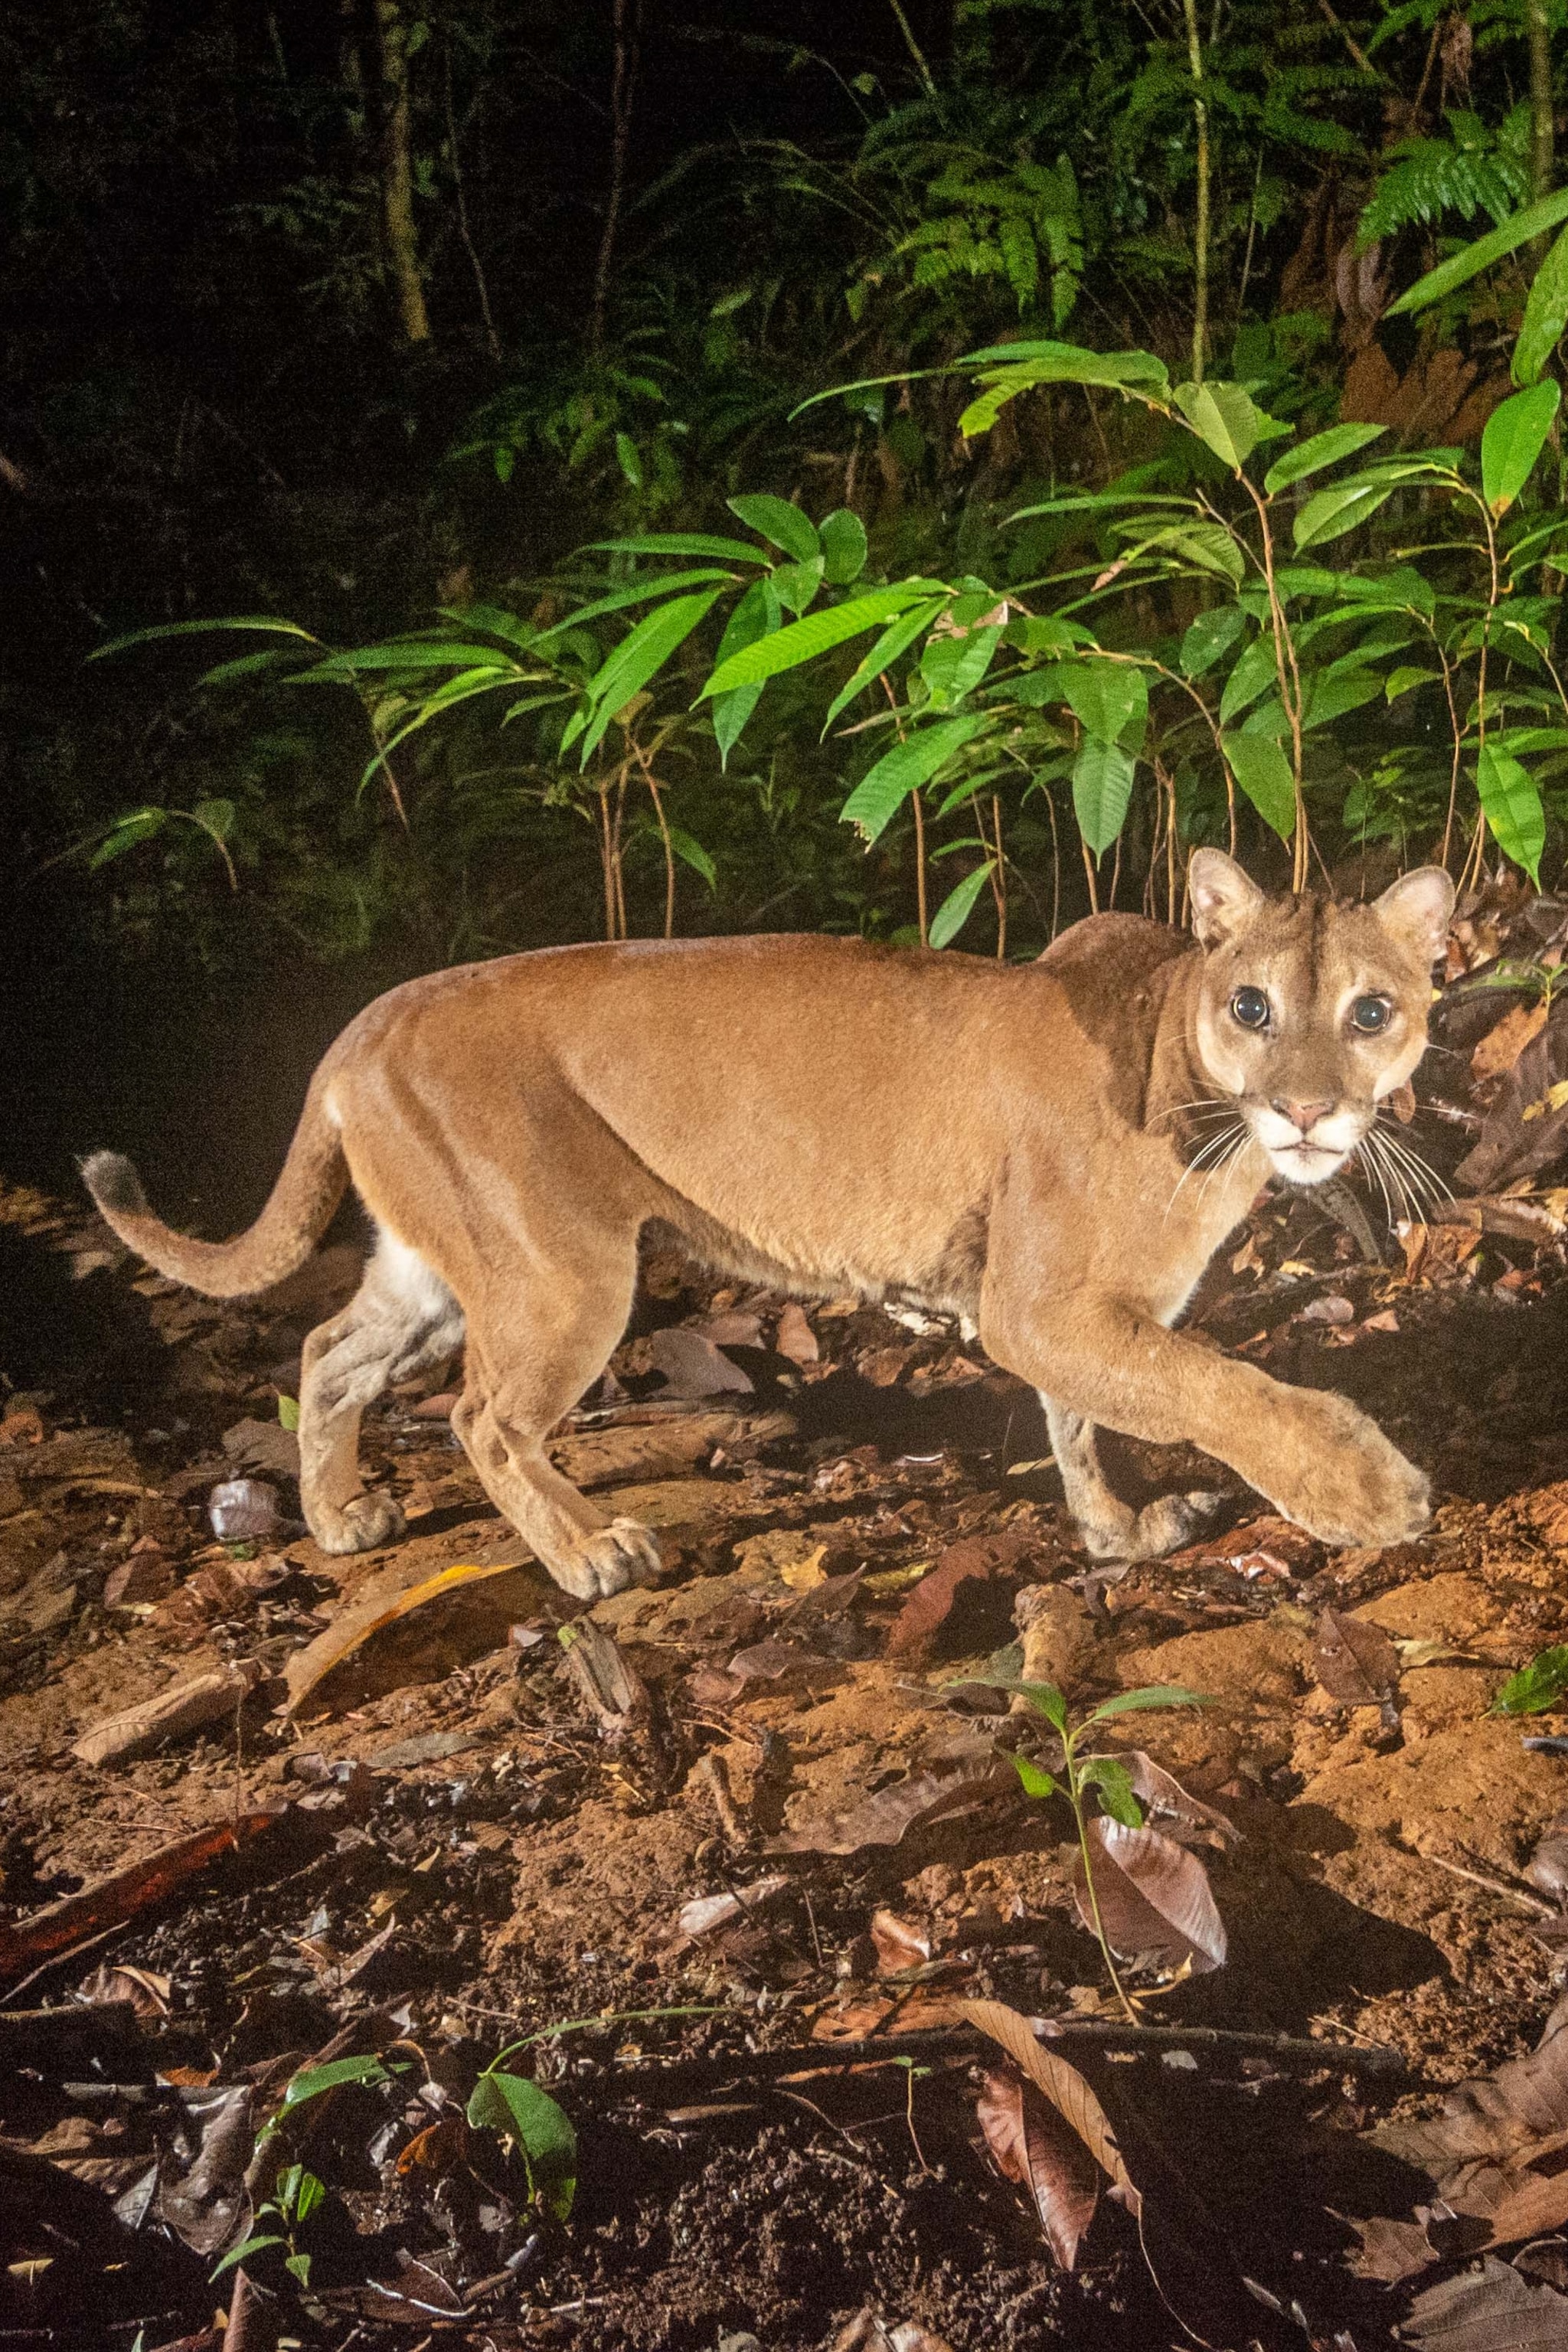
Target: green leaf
[[777, 521], [895, 639], [1225, 417], [1511, 800], [288, 1412], [756, 615], [803, 640], [215, 817], [639, 591], [1261, 769], [407, 653], [244, 665], [691, 852], [1209, 636], [1114, 1782], [1109, 701], [1400, 681], [1545, 315], [844, 545], [629, 459], [680, 542], [1330, 513], [883, 790], [540, 2130], [1549, 211], [1514, 437], [958, 905], [139, 825], [1101, 789], [1144, 1701], [202, 628], [1203, 546], [1253, 673], [1536, 1686], [238, 2254], [299, 2192], [312, 2080], [1322, 449], [299, 2265], [1331, 694], [637, 658], [1036, 1782], [953, 665], [1044, 1697]]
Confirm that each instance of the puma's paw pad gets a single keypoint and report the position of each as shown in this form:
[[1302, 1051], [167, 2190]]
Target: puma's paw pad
[[626, 1552], [363, 1524], [1371, 1497], [1160, 1527]]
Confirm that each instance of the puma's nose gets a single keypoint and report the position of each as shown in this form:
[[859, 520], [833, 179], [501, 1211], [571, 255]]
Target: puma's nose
[[1304, 1115]]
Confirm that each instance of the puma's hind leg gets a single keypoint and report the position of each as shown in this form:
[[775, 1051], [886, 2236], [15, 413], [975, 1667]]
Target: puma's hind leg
[[523, 1370], [401, 1321], [1111, 1528]]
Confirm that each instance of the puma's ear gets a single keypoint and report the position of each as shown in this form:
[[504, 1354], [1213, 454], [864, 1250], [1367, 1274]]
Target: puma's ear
[[1225, 899], [1418, 907]]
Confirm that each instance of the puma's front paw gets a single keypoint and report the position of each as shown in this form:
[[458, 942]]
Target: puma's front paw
[[1160, 1527], [362, 1524], [1358, 1489], [626, 1552]]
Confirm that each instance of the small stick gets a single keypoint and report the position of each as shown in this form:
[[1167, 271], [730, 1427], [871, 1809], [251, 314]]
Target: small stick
[[714, 1775], [1492, 1885]]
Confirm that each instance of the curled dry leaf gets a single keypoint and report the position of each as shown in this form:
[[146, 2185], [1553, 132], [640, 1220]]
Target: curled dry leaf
[[144, 1989], [1155, 1898], [1062, 2085], [418, 1635], [706, 1912], [1490, 2310], [1161, 1794], [694, 1366], [973, 1560], [1497, 2152], [1354, 1660], [1391, 2251], [900, 1944], [1034, 2144], [794, 1337], [889, 1816]]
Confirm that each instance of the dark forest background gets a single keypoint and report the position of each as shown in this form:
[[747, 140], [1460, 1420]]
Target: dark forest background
[[355, 316]]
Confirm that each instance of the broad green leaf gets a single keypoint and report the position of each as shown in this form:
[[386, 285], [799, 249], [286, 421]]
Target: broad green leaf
[[692, 852], [202, 628], [803, 640], [540, 2130], [1253, 673], [1207, 546], [1401, 681], [1261, 769], [1330, 513], [1036, 1783], [139, 825], [958, 905], [639, 657], [341, 669], [953, 665], [1511, 799], [1209, 636], [1048, 633], [1545, 315], [1044, 1697], [1322, 449], [1331, 693], [1533, 221], [1079, 366], [755, 617], [255, 2245], [895, 639], [1114, 1782], [312, 2080], [884, 789], [1101, 789], [1514, 437], [777, 521], [796, 584], [639, 591], [1225, 417], [682, 542], [215, 817], [299, 2192], [1109, 701], [843, 536], [628, 459], [288, 1412], [244, 665], [1152, 1695], [1536, 1686]]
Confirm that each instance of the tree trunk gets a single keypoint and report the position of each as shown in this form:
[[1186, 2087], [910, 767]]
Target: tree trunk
[[1543, 141], [622, 89], [397, 172]]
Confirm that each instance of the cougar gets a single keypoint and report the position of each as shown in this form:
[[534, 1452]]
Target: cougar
[[1053, 1150]]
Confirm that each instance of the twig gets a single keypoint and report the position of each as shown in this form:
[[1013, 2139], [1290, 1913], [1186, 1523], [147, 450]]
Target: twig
[[712, 1773], [1492, 1885]]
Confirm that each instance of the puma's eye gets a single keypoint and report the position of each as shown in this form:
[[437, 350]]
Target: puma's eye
[[1250, 1007], [1371, 1014]]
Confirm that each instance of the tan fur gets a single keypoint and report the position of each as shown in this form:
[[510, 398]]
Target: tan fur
[[1022, 1145]]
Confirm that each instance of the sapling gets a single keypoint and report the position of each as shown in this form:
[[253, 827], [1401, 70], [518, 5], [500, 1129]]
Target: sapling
[[1108, 1776]]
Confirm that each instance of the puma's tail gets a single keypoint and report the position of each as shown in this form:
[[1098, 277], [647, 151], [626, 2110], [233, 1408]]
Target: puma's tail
[[312, 1182]]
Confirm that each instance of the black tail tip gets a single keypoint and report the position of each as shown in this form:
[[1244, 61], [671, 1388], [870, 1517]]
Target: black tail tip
[[114, 1184]]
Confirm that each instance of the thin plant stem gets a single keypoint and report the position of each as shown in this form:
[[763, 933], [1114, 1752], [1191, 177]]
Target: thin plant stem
[[1201, 225], [999, 878], [651, 780], [1093, 878], [1074, 1798], [1289, 677], [464, 232], [914, 49], [919, 811]]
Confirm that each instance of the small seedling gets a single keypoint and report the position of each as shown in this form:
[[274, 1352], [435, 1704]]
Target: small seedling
[[1106, 1775], [291, 2204]]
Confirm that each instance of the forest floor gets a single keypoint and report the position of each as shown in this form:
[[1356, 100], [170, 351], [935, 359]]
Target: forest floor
[[738, 1824]]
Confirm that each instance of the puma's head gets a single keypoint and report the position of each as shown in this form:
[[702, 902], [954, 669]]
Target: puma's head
[[1310, 1010]]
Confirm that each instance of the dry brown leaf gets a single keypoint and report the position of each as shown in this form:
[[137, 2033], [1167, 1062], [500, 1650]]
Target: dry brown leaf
[[1161, 1794], [1490, 2310], [144, 1989], [1501, 1046], [419, 1636], [107, 1901], [794, 1337], [1034, 2144], [437, 2148], [1063, 2086], [1391, 2251], [887, 1817], [1354, 1660], [694, 1366], [974, 1560], [1155, 1898], [900, 1944], [706, 1912]]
